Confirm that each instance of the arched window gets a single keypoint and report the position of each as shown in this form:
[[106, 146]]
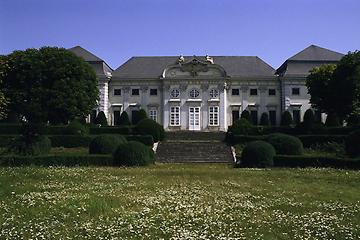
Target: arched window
[[194, 93], [175, 93]]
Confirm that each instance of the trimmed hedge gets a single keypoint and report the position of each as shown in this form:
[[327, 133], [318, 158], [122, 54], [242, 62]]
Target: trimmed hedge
[[257, 154], [10, 128], [123, 130], [133, 154], [145, 139], [36, 146], [105, 144], [313, 161], [150, 127], [352, 144], [285, 144], [57, 160]]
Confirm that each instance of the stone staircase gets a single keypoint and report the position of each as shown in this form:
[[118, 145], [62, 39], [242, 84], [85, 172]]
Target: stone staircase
[[194, 147]]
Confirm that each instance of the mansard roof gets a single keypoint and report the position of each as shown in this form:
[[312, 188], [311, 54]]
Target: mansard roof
[[305, 60], [153, 67], [100, 66]]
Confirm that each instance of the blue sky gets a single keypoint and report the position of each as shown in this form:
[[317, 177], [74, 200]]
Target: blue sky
[[116, 30]]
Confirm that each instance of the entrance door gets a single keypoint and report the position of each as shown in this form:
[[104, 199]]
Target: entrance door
[[194, 118]]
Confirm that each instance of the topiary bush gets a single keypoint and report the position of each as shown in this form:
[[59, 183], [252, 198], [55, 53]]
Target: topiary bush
[[309, 119], [257, 154], [286, 119], [133, 154], [242, 127], [142, 114], [124, 119], [332, 120], [150, 127], [285, 144], [246, 115], [105, 144], [264, 119], [76, 128], [23, 145], [352, 144], [101, 119]]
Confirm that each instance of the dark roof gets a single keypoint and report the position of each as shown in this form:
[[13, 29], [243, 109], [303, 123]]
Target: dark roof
[[312, 56], [153, 67], [85, 54], [316, 53]]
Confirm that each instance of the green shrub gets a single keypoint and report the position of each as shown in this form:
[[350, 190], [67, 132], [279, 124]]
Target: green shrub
[[312, 140], [123, 130], [70, 141], [145, 139], [142, 114], [353, 120], [101, 119], [285, 144], [309, 119], [37, 145], [105, 144], [150, 127], [246, 115], [10, 128], [243, 127], [332, 120], [264, 119], [352, 144], [257, 154], [135, 117], [124, 119], [76, 128], [132, 154], [286, 119]]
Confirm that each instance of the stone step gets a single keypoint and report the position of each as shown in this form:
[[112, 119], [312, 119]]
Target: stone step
[[191, 135]]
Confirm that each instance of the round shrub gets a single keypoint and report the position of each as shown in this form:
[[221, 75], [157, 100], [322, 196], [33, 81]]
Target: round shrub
[[133, 153], [257, 154], [286, 119], [242, 127], [352, 144], [264, 119], [35, 145], [76, 128], [285, 144], [150, 127], [105, 144]]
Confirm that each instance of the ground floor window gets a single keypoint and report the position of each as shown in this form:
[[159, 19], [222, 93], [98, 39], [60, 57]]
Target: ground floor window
[[254, 116], [153, 114], [272, 117], [296, 116], [175, 116], [117, 114], [235, 115], [214, 116]]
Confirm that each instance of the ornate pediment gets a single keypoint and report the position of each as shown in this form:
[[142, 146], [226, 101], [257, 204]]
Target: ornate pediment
[[194, 67]]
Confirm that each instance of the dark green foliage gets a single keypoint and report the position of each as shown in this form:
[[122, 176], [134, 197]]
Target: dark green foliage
[[286, 119], [352, 144], [57, 160], [48, 84], [353, 120], [246, 115], [124, 130], [142, 114], [101, 119], [23, 146], [76, 128], [132, 154], [145, 139], [315, 161], [124, 119], [11, 117], [332, 120], [150, 127], [313, 140], [135, 117], [242, 126], [105, 144], [309, 119], [264, 119], [70, 141], [257, 154], [10, 128], [285, 144]]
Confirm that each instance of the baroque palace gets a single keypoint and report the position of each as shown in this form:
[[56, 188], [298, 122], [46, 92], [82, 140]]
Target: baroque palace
[[206, 93]]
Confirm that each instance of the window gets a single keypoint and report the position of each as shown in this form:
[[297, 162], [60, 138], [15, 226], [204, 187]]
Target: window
[[153, 92], [254, 117], [296, 116], [153, 114], [214, 93], [272, 117], [175, 93], [272, 92], [295, 91], [117, 92], [213, 116], [235, 92], [253, 92], [116, 117], [194, 93], [135, 92], [175, 116], [235, 115]]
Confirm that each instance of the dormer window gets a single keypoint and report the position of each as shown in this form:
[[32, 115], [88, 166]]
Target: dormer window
[[194, 93]]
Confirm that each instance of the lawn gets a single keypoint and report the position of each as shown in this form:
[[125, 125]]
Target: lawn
[[172, 201]]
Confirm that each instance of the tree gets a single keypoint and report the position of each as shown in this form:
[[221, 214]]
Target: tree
[[48, 84], [332, 120], [124, 119], [3, 100], [264, 119], [101, 119], [286, 119]]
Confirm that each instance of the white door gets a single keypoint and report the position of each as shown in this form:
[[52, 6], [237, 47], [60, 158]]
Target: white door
[[194, 118]]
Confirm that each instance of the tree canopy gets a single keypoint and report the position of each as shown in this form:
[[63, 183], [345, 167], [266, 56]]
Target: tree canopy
[[48, 84], [3, 101]]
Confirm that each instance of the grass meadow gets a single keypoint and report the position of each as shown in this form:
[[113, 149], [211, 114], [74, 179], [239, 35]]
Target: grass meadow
[[178, 201]]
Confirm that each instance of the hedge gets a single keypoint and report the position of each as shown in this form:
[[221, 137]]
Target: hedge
[[315, 161], [123, 130], [145, 139], [57, 160]]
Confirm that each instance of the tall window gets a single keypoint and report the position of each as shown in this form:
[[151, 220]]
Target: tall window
[[153, 114], [272, 117], [254, 116], [213, 116], [175, 116], [116, 117], [296, 116]]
